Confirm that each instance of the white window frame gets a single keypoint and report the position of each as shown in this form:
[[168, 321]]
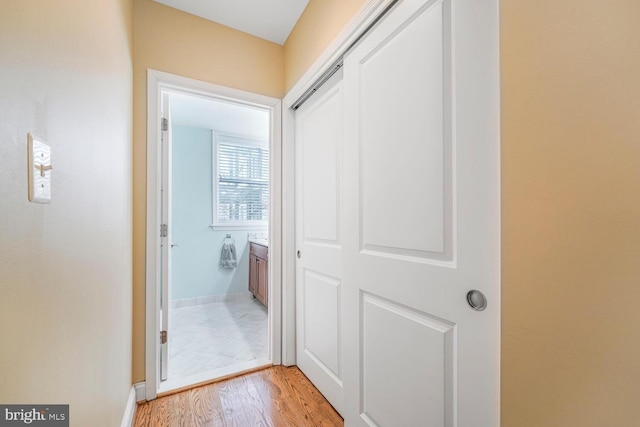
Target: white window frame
[[218, 137]]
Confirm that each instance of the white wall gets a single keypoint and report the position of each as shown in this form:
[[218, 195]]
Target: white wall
[[65, 268]]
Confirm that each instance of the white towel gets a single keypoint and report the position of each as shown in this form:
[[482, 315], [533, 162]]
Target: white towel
[[228, 258]]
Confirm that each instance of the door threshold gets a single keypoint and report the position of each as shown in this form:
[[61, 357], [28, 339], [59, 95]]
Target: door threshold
[[171, 386]]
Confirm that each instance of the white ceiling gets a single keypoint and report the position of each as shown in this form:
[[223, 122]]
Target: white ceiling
[[272, 20], [225, 117]]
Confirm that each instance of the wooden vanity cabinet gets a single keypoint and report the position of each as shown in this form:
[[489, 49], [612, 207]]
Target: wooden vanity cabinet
[[259, 272]]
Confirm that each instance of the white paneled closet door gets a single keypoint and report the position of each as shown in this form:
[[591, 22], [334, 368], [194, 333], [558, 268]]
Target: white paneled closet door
[[421, 220], [318, 144]]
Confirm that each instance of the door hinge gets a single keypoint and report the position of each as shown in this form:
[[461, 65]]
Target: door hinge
[[164, 230], [164, 124], [163, 337]]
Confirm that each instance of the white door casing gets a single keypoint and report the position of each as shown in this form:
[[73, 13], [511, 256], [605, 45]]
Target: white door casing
[[158, 83], [318, 142], [421, 218]]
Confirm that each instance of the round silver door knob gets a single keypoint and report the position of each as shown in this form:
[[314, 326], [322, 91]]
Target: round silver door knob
[[476, 300]]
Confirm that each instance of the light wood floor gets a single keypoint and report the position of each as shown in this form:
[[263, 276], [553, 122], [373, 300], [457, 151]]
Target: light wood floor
[[277, 396]]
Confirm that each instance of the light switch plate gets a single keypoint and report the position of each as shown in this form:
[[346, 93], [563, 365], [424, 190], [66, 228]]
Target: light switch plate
[[39, 170]]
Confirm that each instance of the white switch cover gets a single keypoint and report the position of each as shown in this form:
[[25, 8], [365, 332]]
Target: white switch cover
[[39, 170]]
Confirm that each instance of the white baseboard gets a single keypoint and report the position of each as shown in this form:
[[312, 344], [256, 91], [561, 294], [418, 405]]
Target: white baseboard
[[140, 391], [208, 299], [130, 410]]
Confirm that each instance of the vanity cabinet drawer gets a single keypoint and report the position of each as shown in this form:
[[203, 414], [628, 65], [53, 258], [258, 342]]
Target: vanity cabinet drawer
[[259, 251]]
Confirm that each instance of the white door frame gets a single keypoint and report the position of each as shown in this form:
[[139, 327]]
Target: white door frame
[[349, 34], [157, 81]]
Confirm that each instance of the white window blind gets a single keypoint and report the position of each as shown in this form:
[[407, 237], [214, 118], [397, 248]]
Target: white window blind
[[242, 184]]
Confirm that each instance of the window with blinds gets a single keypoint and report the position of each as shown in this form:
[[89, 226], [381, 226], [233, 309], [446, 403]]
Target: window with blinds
[[242, 182]]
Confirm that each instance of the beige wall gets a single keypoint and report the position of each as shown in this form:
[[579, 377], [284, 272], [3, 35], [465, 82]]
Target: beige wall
[[318, 26], [571, 213], [178, 43], [65, 268]]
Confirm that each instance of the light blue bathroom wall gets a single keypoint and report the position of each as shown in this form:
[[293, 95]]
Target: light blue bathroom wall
[[195, 262]]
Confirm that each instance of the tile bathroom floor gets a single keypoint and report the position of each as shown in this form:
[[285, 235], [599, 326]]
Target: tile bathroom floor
[[218, 335]]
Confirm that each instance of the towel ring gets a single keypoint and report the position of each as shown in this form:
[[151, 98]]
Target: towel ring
[[229, 239]]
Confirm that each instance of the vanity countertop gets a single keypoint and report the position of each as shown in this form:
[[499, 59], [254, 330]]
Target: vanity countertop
[[261, 242]]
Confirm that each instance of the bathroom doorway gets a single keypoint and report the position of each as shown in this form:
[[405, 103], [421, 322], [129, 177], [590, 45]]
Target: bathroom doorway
[[215, 311]]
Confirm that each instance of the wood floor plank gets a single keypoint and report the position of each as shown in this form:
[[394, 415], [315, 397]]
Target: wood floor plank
[[259, 394], [274, 397], [235, 414], [258, 413], [178, 411], [331, 416], [217, 411], [313, 412], [287, 407], [143, 414], [152, 414], [201, 406], [159, 413]]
